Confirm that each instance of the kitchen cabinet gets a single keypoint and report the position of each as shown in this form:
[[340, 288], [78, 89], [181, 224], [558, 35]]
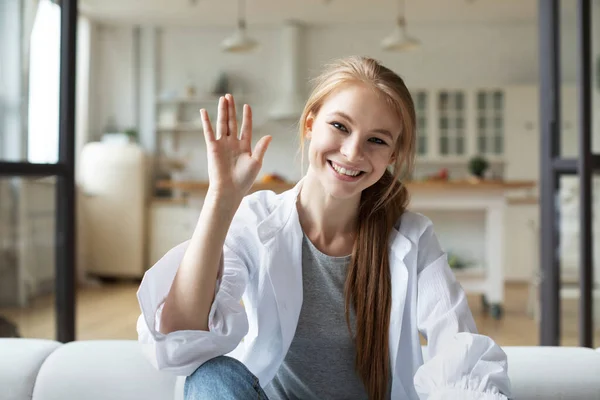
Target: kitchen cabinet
[[171, 223], [455, 124]]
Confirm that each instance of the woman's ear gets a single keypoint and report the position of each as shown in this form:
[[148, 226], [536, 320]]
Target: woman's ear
[[392, 158], [310, 119]]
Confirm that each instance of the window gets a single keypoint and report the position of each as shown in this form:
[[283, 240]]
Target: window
[[44, 80]]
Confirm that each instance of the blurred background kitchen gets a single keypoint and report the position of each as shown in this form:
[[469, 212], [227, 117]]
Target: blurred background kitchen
[[145, 68]]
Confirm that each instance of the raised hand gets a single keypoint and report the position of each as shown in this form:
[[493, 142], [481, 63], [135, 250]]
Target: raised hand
[[232, 165]]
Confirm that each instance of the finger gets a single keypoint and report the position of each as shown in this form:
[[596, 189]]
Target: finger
[[209, 135], [222, 129], [261, 148], [233, 129], [246, 131]]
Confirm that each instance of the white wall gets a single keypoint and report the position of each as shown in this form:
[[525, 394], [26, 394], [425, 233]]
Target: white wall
[[113, 73], [451, 55]]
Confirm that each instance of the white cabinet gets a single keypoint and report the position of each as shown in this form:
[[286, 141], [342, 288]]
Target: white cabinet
[[170, 224], [455, 124]]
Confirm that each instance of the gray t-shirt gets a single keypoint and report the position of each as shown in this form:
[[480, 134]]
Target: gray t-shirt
[[320, 361]]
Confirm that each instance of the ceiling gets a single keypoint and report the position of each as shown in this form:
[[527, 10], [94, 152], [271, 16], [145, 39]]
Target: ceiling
[[269, 12]]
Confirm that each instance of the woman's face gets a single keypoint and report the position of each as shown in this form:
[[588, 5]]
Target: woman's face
[[352, 140]]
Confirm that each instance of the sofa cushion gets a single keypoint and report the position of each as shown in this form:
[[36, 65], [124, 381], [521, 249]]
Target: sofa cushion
[[100, 370], [554, 372], [20, 361]]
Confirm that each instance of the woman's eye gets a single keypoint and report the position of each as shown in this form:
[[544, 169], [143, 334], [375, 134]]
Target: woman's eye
[[377, 141], [339, 126]]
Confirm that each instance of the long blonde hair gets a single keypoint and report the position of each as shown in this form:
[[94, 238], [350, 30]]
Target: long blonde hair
[[368, 282]]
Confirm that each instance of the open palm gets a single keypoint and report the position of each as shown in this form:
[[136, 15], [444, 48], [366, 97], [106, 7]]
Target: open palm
[[232, 165]]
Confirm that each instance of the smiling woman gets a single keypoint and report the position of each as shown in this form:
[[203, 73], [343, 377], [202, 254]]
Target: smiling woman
[[330, 272]]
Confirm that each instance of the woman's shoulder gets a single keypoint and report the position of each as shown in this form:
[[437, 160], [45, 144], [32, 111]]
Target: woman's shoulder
[[413, 225]]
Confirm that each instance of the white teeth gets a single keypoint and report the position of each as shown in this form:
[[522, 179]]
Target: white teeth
[[344, 171]]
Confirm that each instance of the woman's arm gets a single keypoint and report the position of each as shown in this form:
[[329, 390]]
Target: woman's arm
[[189, 301], [461, 364], [232, 168]]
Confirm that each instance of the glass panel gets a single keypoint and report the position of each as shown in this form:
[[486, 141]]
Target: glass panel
[[460, 145], [422, 145], [569, 133], [498, 144], [596, 83], [498, 100], [444, 145], [459, 101], [444, 123], [481, 122], [27, 257], [421, 100], [569, 259], [460, 123], [443, 101], [498, 123], [481, 101], [29, 121], [421, 111], [569, 127], [481, 144]]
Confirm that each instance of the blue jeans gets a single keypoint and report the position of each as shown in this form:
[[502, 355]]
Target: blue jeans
[[223, 378]]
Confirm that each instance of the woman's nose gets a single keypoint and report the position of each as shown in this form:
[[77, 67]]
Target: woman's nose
[[352, 149]]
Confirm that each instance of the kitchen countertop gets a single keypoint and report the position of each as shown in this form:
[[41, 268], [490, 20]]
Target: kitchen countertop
[[202, 186]]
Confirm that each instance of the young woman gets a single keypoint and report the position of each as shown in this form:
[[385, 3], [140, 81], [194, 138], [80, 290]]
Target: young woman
[[337, 277]]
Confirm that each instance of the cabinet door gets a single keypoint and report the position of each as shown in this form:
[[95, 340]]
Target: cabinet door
[[171, 224], [452, 122], [522, 133], [521, 243], [421, 101], [489, 122]]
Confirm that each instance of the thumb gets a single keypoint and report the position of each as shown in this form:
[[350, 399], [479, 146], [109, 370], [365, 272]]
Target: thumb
[[261, 148]]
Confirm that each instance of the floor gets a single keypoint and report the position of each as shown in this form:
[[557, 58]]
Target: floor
[[110, 311]]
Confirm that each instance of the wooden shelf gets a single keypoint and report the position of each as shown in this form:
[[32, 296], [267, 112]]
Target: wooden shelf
[[202, 186], [470, 185]]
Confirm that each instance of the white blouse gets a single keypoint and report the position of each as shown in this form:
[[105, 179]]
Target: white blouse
[[261, 265]]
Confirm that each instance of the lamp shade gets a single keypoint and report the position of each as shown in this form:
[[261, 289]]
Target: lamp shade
[[239, 42], [399, 40]]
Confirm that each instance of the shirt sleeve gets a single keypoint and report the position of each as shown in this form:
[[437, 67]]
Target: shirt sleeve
[[461, 364], [182, 352]]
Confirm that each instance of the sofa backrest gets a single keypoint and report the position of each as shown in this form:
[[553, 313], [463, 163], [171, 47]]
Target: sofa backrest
[[117, 370]]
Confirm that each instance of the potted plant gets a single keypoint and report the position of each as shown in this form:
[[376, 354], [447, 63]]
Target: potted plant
[[132, 134], [478, 165]]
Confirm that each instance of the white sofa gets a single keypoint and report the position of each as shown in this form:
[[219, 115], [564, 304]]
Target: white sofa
[[116, 370]]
